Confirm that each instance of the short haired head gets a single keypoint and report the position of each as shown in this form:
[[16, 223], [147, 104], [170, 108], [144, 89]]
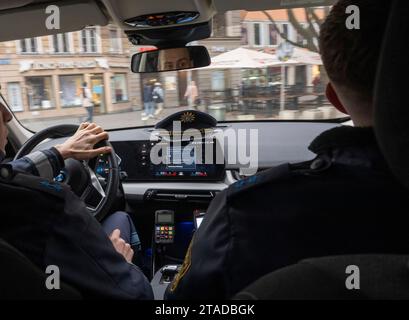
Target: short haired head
[[351, 56]]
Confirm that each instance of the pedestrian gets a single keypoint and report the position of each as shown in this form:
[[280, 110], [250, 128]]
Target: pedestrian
[[147, 101], [87, 103], [192, 95], [318, 90], [158, 98]]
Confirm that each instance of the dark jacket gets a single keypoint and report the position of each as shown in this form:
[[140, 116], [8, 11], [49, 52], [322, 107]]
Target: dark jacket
[[147, 93], [346, 201], [49, 224]]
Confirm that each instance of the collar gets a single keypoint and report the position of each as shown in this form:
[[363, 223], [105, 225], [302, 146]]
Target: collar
[[2, 156], [342, 137], [349, 145]]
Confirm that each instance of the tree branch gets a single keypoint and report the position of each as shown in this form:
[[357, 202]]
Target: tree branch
[[307, 33], [316, 18], [310, 18], [297, 26], [281, 34]]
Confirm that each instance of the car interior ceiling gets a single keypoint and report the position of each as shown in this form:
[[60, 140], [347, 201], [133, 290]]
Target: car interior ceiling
[[176, 204]]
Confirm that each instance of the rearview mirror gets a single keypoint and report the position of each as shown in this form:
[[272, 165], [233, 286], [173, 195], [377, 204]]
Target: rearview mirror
[[170, 59]]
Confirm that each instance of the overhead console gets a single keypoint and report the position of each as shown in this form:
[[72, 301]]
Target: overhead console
[[160, 23]]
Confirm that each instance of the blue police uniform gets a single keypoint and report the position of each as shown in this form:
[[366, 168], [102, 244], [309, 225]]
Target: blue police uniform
[[345, 201], [49, 224]]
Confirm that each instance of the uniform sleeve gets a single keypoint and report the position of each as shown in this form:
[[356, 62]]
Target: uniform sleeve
[[87, 259], [204, 273], [46, 164]]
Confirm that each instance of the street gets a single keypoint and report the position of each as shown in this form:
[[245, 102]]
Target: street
[[124, 119], [107, 121], [134, 118]]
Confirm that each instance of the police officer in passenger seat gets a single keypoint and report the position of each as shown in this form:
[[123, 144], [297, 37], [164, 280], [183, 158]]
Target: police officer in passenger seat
[[345, 201], [51, 226]]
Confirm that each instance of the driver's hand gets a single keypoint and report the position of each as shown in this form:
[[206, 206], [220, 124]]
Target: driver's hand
[[121, 246], [81, 145]]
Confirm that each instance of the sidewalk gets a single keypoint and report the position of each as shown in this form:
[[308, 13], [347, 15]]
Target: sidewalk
[[107, 121]]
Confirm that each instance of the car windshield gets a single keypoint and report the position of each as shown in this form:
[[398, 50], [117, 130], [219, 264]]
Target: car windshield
[[265, 66]]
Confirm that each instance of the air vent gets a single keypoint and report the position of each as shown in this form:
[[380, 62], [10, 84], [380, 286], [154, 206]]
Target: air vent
[[179, 195]]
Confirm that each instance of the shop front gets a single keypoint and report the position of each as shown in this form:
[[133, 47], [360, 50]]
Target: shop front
[[54, 89]]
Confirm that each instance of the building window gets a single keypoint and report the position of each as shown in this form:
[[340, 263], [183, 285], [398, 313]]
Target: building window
[[244, 35], [29, 45], [272, 35], [285, 31], [115, 40], [218, 81], [89, 43], [14, 96], [257, 34], [70, 90], [40, 93], [219, 25], [119, 88], [61, 43]]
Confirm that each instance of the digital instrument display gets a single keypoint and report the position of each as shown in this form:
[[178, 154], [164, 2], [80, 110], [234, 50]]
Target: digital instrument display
[[102, 166], [148, 161]]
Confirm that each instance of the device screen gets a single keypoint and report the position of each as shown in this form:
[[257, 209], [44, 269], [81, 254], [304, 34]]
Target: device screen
[[199, 221], [165, 218]]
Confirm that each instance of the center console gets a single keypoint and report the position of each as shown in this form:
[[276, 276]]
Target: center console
[[165, 233], [170, 181]]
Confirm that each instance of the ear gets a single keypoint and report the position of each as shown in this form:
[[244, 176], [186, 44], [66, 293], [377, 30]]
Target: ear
[[333, 98]]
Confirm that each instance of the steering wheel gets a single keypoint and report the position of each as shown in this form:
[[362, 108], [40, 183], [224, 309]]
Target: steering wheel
[[97, 193]]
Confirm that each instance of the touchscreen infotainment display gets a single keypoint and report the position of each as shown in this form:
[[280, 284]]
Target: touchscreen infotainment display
[[175, 161]]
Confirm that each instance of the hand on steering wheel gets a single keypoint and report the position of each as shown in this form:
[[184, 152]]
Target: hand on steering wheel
[[81, 145], [77, 172]]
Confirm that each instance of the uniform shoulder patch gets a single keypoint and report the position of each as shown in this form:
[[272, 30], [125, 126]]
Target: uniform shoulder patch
[[184, 269], [37, 183], [259, 179]]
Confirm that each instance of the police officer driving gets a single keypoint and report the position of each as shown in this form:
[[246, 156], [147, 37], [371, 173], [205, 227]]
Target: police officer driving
[[345, 201], [50, 225]]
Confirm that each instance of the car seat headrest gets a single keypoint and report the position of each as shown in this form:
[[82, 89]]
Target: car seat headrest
[[391, 101]]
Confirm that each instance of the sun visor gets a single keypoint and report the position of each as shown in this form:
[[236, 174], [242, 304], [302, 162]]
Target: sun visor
[[391, 99], [30, 21], [226, 5]]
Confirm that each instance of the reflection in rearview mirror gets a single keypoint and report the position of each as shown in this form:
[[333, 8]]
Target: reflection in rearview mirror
[[170, 59]]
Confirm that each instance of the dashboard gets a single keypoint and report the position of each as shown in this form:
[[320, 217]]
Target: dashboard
[[277, 143]]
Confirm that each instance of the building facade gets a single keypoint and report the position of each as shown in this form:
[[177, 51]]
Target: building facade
[[43, 76], [260, 33]]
